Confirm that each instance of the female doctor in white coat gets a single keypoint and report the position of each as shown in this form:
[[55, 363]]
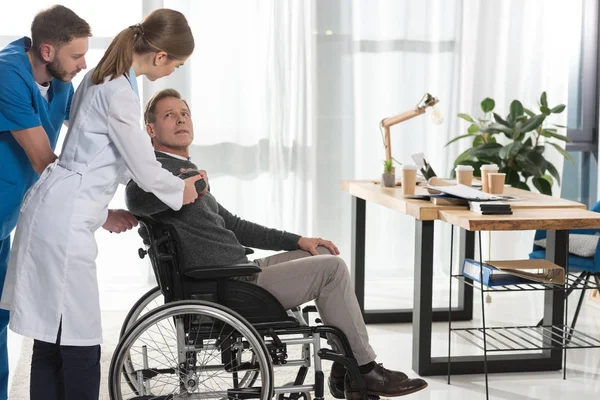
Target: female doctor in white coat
[[51, 288]]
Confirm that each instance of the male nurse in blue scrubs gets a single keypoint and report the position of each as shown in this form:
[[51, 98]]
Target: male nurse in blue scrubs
[[35, 98]]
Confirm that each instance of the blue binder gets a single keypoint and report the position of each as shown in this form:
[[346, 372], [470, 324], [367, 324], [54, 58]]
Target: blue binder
[[491, 276]]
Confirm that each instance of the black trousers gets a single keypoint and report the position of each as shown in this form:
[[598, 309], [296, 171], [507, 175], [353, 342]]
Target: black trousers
[[64, 372]]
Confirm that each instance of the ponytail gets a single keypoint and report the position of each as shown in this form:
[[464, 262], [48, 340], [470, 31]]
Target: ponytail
[[162, 30], [118, 58]]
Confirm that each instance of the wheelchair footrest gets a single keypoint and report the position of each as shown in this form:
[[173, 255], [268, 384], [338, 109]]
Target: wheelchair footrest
[[356, 381]]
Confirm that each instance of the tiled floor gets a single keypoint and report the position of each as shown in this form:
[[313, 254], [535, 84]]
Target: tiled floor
[[121, 286]]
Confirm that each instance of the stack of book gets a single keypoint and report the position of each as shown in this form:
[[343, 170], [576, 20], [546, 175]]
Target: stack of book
[[490, 207]]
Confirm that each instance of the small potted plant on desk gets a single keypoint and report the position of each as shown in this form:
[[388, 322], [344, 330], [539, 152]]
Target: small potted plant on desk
[[388, 178]]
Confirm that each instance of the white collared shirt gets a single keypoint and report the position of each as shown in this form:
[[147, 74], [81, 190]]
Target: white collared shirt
[[174, 155]]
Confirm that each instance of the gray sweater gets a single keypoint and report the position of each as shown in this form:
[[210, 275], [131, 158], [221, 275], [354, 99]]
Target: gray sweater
[[210, 235]]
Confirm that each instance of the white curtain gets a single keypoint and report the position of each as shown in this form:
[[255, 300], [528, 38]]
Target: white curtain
[[401, 50], [249, 83], [516, 50]]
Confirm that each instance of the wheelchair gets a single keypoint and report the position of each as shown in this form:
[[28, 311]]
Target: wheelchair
[[206, 333]]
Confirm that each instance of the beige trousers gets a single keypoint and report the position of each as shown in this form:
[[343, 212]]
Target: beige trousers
[[296, 277]]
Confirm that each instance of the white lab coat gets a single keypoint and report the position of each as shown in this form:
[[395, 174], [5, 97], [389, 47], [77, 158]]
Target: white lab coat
[[52, 269]]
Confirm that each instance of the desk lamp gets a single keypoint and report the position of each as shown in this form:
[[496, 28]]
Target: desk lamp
[[427, 101]]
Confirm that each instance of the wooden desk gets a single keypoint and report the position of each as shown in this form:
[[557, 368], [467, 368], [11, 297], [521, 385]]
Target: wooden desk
[[392, 198], [426, 211], [534, 211], [523, 219]]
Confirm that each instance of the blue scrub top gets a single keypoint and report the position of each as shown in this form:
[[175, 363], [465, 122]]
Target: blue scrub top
[[22, 106]]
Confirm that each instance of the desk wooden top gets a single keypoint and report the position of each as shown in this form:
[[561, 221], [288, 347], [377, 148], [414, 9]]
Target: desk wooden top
[[524, 219], [426, 211], [392, 198]]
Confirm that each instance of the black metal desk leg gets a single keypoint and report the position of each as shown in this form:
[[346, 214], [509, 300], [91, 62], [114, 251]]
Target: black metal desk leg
[[358, 250], [423, 307], [557, 251], [465, 292], [464, 311]]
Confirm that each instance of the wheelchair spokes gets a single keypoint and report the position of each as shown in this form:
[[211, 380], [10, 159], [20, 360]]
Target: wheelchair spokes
[[191, 350], [148, 302]]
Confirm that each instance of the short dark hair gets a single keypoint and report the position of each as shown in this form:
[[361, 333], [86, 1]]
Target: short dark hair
[[149, 115], [57, 25]]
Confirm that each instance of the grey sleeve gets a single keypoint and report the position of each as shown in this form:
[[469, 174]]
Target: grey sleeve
[[140, 202], [250, 234]]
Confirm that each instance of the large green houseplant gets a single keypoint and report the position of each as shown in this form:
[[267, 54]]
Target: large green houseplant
[[521, 154]]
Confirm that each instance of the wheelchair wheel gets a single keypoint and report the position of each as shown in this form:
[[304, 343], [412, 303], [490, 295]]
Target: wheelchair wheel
[[191, 350], [149, 301], [152, 299]]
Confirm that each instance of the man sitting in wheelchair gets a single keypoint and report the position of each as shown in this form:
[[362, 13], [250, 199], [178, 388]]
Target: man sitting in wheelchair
[[210, 235]]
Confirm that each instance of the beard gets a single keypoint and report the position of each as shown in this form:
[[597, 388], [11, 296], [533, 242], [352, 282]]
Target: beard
[[56, 70]]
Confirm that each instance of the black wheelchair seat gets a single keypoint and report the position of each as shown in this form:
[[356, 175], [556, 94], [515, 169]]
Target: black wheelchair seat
[[224, 285]]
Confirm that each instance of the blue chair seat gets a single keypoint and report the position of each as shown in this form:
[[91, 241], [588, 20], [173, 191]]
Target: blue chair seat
[[576, 263]]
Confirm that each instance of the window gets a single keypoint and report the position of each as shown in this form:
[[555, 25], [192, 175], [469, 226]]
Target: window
[[580, 180]]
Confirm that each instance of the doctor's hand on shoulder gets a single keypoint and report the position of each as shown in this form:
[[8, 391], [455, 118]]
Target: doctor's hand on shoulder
[[200, 174], [119, 221]]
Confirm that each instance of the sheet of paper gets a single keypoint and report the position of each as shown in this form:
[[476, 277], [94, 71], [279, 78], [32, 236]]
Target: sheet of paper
[[465, 192]]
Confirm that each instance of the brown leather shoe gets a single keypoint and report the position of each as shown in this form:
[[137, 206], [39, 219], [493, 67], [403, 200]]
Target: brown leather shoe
[[383, 382], [336, 379]]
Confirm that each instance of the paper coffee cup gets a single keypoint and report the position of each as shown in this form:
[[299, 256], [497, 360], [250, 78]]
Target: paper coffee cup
[[464, 175], [496, 182], [409, 178], [485, 170]]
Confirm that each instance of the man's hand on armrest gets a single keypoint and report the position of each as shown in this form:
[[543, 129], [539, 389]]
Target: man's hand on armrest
[[311, 244], [37, 147]]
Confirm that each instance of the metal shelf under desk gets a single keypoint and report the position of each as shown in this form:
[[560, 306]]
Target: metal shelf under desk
[[528, 338], [509, 339], [573, 282]]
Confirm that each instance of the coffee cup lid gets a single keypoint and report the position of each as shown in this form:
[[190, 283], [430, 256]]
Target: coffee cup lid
[[464, 168], [489, 167]]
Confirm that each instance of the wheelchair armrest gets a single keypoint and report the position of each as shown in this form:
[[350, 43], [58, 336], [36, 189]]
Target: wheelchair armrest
[[225, 271]]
